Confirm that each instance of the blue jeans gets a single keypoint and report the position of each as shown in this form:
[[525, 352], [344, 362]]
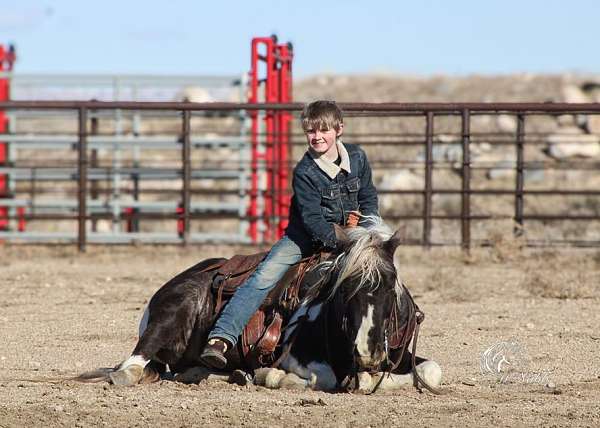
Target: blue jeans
[[251, 294]]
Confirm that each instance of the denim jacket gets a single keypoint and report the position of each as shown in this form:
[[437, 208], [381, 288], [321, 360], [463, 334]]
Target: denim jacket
[[319, 201]]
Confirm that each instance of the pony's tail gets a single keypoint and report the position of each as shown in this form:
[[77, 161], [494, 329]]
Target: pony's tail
[[101, 374], [118, 375]]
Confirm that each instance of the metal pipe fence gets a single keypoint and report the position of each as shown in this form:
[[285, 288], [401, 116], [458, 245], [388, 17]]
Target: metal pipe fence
[[428, 140]]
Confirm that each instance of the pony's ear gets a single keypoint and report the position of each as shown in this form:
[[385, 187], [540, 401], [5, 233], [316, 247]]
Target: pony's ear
[[341, 236], [396, 239]]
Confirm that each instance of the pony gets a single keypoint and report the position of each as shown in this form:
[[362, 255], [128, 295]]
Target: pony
[[339, 338], [353, 305]]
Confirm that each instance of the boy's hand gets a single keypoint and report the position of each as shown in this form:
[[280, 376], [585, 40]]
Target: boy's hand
[[353, 217]]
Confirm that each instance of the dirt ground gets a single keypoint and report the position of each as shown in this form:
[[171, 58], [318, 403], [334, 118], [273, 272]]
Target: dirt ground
[[62, 313]]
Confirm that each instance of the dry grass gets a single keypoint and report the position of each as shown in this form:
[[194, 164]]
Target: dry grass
[[562, 284], [507, 246]]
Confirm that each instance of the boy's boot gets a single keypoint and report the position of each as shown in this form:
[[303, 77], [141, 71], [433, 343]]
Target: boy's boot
[[213, 355]]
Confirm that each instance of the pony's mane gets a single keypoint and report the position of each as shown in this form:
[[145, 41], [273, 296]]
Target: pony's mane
[[363, 260]]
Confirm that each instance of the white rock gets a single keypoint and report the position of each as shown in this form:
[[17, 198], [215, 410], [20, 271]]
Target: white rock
[[573, 139], [482, 147], [401, 180], [569, 130], [573, 94], [593, 124], [565, 120], [404, 179], [506, 123], [323, 80], [447, 139], [571, 149], [195, 94], [506, 168], [497, 157]]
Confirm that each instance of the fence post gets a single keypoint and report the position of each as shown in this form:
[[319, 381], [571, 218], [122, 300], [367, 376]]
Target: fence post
[[82, 166], [518, 230], [428, 180], [466, 181], [187, 174], [94, 163]]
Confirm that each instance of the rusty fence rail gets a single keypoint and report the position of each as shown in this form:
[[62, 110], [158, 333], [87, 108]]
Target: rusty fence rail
[[428, 111]]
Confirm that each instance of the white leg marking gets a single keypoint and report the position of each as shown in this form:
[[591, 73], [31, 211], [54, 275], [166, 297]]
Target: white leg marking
[[320, 376], [429, 371], [365, 382], [362, 337], [144, 322], [268, 377], [393, 381], [134, 360], [293, 381]]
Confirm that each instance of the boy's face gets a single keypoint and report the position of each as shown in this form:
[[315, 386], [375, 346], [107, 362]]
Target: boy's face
[[322, 141]]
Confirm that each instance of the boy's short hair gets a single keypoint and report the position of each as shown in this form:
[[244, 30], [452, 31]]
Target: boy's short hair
[[321, 115]]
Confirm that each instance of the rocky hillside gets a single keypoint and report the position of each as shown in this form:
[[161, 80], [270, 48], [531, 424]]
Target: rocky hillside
[[474, 88]]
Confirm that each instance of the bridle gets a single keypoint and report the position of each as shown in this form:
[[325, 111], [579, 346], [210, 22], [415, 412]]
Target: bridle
[[411, 332], [413, 322]]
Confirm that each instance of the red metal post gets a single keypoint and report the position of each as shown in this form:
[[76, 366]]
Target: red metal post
[[128, 216], [252, 99], [285, 55], [7, 59], [257, 156], [271, 89], [275, 87], [21, 216], [180, 220]]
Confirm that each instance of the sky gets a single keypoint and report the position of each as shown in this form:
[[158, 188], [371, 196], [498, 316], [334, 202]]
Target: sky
[[201, 37]]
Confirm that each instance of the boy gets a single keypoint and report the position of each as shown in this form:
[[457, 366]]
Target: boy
[[329, 182]]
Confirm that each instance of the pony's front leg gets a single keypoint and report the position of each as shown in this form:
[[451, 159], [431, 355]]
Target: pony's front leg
[[198, 374], [429, 371], [318, 376], [134, 370], [362, 382]]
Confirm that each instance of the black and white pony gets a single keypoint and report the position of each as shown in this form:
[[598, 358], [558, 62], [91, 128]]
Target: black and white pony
[[338, 338]]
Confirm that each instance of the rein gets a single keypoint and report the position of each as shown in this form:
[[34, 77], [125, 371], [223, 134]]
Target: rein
[[415, 317], [411, 328]]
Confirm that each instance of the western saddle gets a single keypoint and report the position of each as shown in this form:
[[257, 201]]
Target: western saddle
[[263, 331]]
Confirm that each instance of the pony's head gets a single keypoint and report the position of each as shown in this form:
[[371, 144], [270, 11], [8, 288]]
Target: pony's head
[[363, 286]]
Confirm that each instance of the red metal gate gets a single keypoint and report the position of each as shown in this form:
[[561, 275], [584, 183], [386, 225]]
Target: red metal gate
[[269, 136], [7, 59]]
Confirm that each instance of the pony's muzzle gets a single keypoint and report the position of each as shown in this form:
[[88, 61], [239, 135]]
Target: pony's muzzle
[[370, 362]]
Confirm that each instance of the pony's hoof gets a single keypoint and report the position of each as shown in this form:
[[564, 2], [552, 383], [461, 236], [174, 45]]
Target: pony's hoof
[[150, 376], [131, 375], [268, 377], [431, 373], [240, 377], [198, 374], [293, 381], [365, 381]]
